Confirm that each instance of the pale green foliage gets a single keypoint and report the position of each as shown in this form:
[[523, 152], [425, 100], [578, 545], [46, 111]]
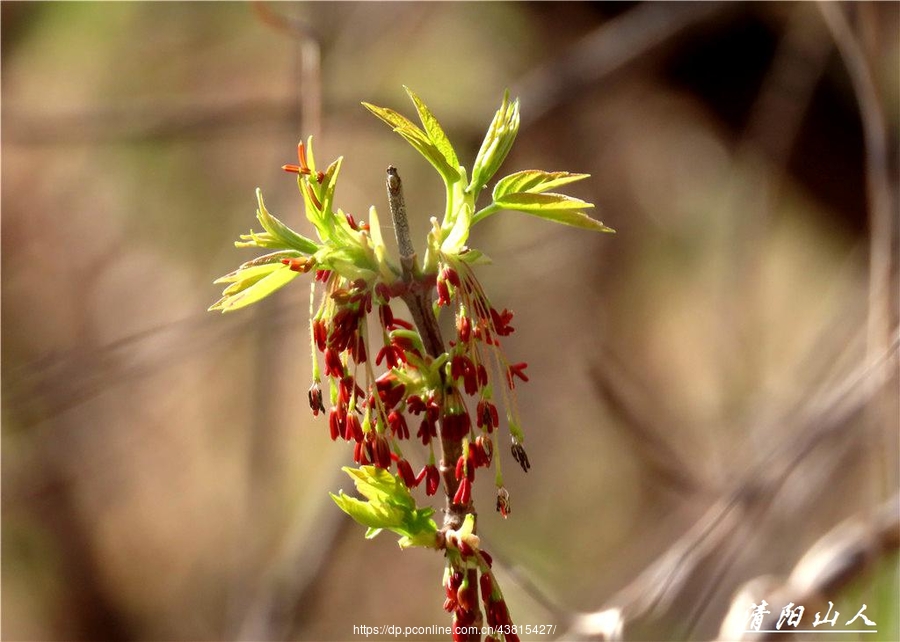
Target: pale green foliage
[[390, 506], [359, 252]]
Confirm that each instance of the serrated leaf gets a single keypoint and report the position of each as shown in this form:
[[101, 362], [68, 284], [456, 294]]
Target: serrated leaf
[[258, 285], [390, 506], [534, 181], [434, 130], [558, 208], [418, 139], [378, 484], [371, 514], [282, 232]]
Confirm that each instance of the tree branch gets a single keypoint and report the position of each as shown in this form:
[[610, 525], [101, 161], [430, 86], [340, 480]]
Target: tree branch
[[417, 297]]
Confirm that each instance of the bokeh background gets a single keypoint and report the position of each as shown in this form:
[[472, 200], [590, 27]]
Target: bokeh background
[[713, 389]]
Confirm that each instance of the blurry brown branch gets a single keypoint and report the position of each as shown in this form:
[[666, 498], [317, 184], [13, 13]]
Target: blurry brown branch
[[884, 230], [844, 554], [826, 416]]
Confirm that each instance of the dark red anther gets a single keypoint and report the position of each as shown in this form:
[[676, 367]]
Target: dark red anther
[[463, 493], [335, 423], [397, 422], [427, 431], [482, 375], [333, 365], [392, 354], [443, 293], [386, 315], [383, 292], [470, 380], [351, 221], [323, 275], [320, 334], [406, 473], [463, 328], [390, 390], [381, 452], [459, 365], [359, 355], [487, 558], [415, 404], [501, 322], [352, 429], [345, 389], [451, 275], [516, 370], [320, 176], [487, 587], [432, 479], [460, 467], [360, 454]]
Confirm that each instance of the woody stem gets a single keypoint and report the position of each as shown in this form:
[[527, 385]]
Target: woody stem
[[417, 296]]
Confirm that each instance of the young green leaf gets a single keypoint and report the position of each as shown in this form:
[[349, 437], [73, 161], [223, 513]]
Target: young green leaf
[[418, 139], [558, 208], [281, 232], [252, 284], [534, 181], [496, 145], [390, 506], [434, 130]]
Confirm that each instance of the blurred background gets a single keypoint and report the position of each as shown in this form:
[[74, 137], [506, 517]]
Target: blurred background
[[713, 389]]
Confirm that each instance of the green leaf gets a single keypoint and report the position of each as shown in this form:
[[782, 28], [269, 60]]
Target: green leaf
[[434, 130], [418, 139], [533, 181], [496, 145], [249, 285], [281, 232], [390, 506], [371, 514], [558, 208]]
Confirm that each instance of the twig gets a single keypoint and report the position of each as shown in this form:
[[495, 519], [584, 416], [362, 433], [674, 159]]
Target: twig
[[418, 299], [883, 229]]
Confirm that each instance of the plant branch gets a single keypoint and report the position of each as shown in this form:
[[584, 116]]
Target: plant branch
[[417, 297]]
